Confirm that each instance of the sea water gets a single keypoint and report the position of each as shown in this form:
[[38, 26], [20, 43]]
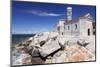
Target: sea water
[[15, 40], [18, 38]]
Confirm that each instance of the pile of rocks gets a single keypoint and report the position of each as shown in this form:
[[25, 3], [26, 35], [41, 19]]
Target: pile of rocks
[[50, 47]]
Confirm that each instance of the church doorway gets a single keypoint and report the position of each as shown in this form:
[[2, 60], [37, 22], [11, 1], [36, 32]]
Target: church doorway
[[88, 32]]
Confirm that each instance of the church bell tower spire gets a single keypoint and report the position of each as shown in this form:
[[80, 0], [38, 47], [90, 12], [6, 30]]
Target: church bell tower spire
[[69, 13]]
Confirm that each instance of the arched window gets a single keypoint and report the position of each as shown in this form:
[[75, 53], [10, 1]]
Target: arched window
[[58, 28], [68, 28], [75, 26], [88, 32]]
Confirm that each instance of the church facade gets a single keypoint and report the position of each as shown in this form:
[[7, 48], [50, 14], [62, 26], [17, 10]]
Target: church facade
[[83, 26]]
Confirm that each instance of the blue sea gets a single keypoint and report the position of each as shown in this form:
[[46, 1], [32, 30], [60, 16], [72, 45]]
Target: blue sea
[[18, 38]]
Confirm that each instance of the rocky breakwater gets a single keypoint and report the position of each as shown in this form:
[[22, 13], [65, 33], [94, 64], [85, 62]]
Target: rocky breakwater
[[50, 47]]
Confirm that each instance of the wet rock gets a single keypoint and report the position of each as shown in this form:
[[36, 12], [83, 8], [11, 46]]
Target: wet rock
[[48, 59]]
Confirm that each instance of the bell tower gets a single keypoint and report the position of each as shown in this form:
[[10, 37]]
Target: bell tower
[[69, 13]]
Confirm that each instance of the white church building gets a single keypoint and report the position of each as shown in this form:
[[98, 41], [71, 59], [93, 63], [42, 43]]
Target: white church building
[[82, 27]]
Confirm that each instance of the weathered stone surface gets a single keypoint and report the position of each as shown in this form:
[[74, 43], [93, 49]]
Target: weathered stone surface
[[31, 38], [62, 42], [78, 53], [42, 43], [40, 39], [21, 49], [57, 54], [33, 48], [48, 61], [82, 42], [60, 57], [53, 35], [50, 47], [37, 60], [44, 36], [91, 46], [35, 52], [34, 42]]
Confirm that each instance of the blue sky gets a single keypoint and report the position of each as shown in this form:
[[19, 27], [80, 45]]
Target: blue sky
[[34, 17]]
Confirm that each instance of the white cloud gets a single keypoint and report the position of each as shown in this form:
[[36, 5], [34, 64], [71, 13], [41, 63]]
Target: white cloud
[[40, 13], [49, 14]]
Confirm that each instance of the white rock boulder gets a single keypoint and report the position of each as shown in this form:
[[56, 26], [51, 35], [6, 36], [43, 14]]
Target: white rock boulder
[[62, 41], [50, 47], [53, 35], [82, 42]]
